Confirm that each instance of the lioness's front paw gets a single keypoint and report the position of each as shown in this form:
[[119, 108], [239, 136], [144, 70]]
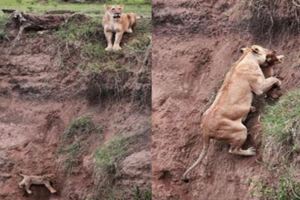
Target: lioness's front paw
[[251, 151], [117, 48], [108, 48]]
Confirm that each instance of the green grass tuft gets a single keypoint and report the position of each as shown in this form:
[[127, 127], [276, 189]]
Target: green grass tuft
[[281, 120], [3, 21], [72, 148], [81, 125], [94, 50], [92, 8], [140, 44], [107, 155], [139, 194], [72, 153], [89, 37], [285, 189], [87, 31], [280, 147]]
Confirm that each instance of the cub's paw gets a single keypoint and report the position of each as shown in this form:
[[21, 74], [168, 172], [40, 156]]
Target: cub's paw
[[279, 83]]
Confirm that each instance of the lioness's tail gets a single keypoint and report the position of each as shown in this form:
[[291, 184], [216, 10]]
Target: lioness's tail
[[206, 141]]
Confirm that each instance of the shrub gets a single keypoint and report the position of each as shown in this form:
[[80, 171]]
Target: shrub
[[110, 152], [72, 153], [139, 194], [81, 125], [3, 21], [272, 18]]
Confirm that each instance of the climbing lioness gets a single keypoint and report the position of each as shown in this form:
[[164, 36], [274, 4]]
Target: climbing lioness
[[223, 119], [115, 21]]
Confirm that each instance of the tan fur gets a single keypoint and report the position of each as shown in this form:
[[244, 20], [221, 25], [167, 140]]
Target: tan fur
[[27, 181], [116, 22], [223, 119]]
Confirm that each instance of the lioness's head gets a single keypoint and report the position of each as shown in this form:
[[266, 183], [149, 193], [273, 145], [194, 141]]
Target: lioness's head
[[264, 57], [114, 11]]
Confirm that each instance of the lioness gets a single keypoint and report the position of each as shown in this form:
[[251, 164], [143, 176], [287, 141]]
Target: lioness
[[36, 180], [223, 119], [114, 21]]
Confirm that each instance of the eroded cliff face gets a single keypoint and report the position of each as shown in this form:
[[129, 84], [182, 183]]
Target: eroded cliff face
[[194, 46], [55, 116]]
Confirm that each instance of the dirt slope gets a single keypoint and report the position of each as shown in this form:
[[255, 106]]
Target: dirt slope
[[194, 46], [40, 97]]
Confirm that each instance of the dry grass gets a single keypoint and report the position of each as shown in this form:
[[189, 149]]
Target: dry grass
[[271, 18]]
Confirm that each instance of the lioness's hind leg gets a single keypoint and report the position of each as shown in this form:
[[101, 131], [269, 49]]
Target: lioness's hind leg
[[129, 30], [236, 142], [49, 187], [27, 188], [21, 184], [248, 152]]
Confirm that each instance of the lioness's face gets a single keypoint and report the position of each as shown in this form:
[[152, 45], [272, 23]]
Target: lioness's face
[[260, 53], [114, 10], [265, 57]]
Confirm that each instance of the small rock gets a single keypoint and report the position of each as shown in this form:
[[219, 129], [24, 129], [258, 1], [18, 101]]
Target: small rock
[[137, 164]]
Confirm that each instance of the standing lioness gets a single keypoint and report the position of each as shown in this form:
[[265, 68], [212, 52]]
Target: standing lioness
[[114, 21], [223, 119]]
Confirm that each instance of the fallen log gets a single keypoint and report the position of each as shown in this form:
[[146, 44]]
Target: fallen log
[[60, 12], [43, 22], [33, 22], [8, 10]]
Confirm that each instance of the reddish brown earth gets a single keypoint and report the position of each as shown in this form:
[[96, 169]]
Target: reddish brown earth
[[39, 99], [194, 46]]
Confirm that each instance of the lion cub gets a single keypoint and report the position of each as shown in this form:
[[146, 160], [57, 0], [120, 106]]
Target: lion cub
[[36, 180], [114, 21]]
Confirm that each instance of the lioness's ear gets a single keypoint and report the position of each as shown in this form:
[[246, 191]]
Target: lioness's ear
[[255, 49], [243, 49], [107, 7]]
